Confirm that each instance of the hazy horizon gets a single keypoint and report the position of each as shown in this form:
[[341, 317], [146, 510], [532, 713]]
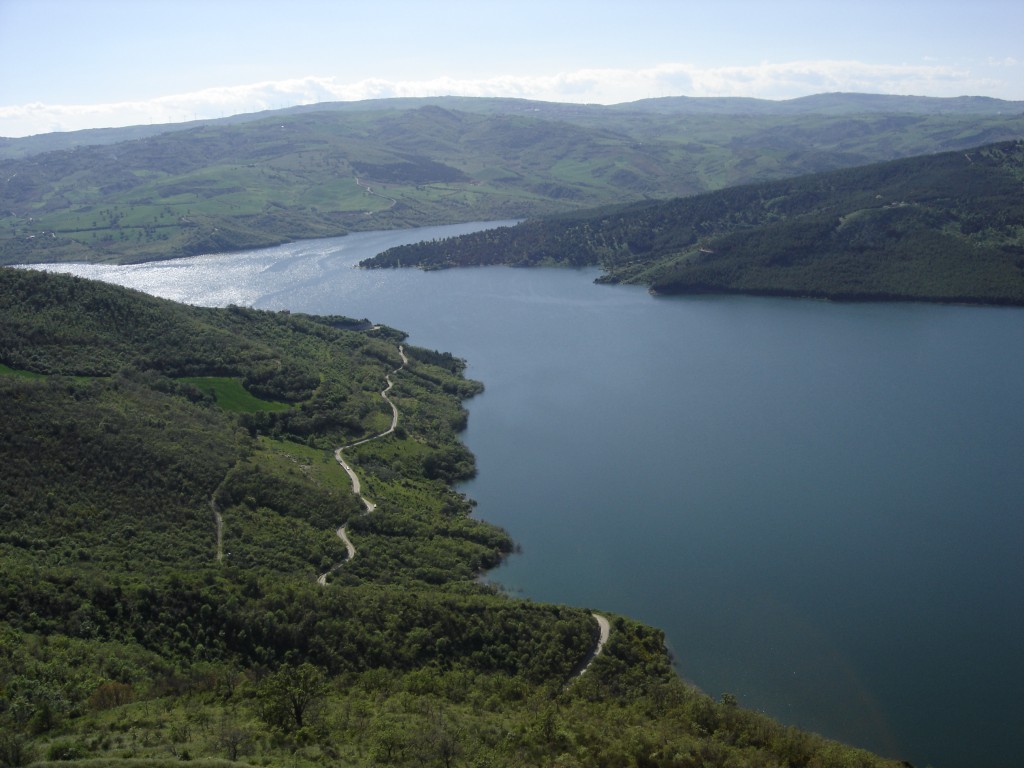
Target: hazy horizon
[[68, 65]]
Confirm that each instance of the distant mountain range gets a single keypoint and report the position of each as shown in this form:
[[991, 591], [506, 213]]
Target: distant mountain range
[[818, 104], [836, 104], [154, 192]]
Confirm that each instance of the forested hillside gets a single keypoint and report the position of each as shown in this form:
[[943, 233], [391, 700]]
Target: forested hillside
[[155, 192], [946, 227], [174, 587]]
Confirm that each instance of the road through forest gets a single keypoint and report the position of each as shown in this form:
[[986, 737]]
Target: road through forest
[[603, 625]]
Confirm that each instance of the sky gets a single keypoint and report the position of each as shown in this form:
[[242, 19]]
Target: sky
[[72, 64]]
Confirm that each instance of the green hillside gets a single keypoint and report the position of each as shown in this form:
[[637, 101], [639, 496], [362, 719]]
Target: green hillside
[[945, 227], [174, 588], [154, 192]]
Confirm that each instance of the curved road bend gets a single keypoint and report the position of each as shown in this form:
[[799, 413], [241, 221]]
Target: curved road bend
[[350, 548], [369, 190], [605, 632]]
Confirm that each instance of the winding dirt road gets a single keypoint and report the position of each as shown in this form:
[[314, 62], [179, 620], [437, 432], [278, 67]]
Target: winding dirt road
[[356, 487]]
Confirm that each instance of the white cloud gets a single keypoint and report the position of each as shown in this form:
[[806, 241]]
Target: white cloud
[[604, 86]]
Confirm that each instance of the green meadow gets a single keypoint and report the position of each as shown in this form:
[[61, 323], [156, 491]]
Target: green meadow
[[231, 395]]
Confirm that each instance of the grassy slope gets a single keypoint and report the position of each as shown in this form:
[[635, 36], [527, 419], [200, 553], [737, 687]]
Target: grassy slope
[[124, 637], [289, 175]]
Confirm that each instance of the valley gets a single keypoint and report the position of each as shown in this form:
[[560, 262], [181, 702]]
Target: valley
[[246, 528]]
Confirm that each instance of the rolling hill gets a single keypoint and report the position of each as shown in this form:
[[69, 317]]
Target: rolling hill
[[153, 192]]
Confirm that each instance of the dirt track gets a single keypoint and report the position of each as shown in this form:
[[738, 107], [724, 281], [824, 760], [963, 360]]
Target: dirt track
[[356, 486]]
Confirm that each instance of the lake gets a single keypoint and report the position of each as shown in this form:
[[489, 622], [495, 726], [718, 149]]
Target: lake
[[821, 504]]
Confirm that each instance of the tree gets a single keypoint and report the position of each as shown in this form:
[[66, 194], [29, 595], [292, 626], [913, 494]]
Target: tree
[[233, 738], [290, 697], [14, 751], [440, 740]]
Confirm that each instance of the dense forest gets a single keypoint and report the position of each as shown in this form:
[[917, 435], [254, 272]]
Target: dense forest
[[174, 588], [156, 192], [945, 227]]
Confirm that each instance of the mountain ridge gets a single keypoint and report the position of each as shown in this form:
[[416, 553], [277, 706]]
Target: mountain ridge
[[848, 102]]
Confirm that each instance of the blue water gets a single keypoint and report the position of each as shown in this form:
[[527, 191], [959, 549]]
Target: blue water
[[821, 504]]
